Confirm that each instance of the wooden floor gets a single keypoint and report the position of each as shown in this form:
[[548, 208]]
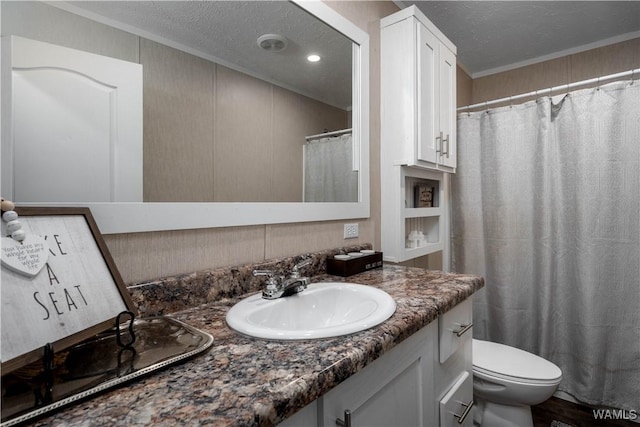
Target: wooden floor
[[561, 413]]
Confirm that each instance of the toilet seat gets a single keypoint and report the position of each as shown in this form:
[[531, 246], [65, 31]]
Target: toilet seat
[[512, 364]]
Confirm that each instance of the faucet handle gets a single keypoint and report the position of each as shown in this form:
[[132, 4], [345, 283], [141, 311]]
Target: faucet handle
[[295, 271], [257, 273], [271, 281], [271, 284]]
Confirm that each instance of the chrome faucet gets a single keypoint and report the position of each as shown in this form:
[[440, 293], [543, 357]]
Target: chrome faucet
[[280, 286]]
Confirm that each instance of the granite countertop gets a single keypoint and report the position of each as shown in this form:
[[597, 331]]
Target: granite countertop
[[245, 381]]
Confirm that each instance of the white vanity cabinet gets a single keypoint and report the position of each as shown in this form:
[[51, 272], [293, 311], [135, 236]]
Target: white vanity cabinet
[[418, 93], [409, 385], [395, 390]]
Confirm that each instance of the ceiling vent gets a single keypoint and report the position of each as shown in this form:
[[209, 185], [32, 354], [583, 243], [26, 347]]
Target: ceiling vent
[[272, 42]]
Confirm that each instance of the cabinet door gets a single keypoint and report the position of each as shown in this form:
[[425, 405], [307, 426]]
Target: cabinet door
[[307, 417], [395, 390], [428, 129], [397, 403], [447, 106], [456, 405]]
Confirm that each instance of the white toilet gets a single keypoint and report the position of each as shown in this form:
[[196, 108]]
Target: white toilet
[[507, 381]]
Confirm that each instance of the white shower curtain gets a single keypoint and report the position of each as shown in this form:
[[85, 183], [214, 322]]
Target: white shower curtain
[[328, 170], [546, 206]]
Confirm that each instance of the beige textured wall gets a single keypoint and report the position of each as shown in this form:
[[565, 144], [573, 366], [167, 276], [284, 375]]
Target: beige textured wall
[[214, 134], [34, 20], [367, 15], [572, 68], [145, 256], [178, 125], [464, 90]]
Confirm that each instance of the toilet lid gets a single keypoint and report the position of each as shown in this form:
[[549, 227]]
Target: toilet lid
[[504, 361]]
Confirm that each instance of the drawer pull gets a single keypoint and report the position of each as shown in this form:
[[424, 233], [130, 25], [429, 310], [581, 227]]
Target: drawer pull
[[467, 409], [347, 419], [463, 329]]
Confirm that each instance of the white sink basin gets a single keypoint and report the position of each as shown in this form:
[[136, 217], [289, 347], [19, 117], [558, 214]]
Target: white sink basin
[[323, 310]]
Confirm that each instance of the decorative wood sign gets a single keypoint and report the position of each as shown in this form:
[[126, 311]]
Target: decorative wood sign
[[59, 286]]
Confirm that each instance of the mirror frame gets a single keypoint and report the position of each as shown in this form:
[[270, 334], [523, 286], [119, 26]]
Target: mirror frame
[[134, 217]]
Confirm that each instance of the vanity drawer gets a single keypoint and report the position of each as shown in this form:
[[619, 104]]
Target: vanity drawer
[[454, 328], [456, 405]]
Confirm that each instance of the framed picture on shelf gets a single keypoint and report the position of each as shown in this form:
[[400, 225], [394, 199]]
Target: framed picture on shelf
[[59, 284], [423, 196]]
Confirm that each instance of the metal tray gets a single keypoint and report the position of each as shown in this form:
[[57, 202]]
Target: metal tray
[[96, 365]]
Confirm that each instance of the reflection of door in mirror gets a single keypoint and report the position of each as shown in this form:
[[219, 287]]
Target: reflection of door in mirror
[[76, 123]]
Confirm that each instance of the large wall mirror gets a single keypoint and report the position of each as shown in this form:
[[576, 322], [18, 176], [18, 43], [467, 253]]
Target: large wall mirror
[[240, 128]]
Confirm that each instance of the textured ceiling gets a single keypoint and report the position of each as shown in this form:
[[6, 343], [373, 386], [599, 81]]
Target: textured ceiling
[[227, 31], [490, 35], [493, 35]]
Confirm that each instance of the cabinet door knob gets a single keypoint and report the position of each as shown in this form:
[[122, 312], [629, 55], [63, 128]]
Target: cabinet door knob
[[439, 144], [347, 419], [467, 409], [463, 329]]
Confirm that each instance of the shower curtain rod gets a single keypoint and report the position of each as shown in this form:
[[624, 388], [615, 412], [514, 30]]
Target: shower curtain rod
[[326, 134], [568, 86]]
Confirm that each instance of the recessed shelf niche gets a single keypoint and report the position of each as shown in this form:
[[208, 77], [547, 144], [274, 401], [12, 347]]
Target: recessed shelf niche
[[420, 208]]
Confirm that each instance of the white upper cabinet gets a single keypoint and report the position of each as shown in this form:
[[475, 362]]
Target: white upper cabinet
[[418, 136], [418, 75]]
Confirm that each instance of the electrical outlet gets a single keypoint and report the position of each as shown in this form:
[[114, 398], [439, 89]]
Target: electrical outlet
[[350, 231]]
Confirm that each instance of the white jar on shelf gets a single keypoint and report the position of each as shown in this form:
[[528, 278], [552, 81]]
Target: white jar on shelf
[[422, 239], [413, 240]]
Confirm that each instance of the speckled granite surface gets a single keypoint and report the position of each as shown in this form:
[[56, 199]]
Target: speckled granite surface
[[243, 381], [171, 294]]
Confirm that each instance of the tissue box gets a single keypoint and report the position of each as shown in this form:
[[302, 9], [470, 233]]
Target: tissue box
[[354, 265]]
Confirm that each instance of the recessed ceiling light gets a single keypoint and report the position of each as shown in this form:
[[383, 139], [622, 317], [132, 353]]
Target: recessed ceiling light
[[313, 58], [272, 42]]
